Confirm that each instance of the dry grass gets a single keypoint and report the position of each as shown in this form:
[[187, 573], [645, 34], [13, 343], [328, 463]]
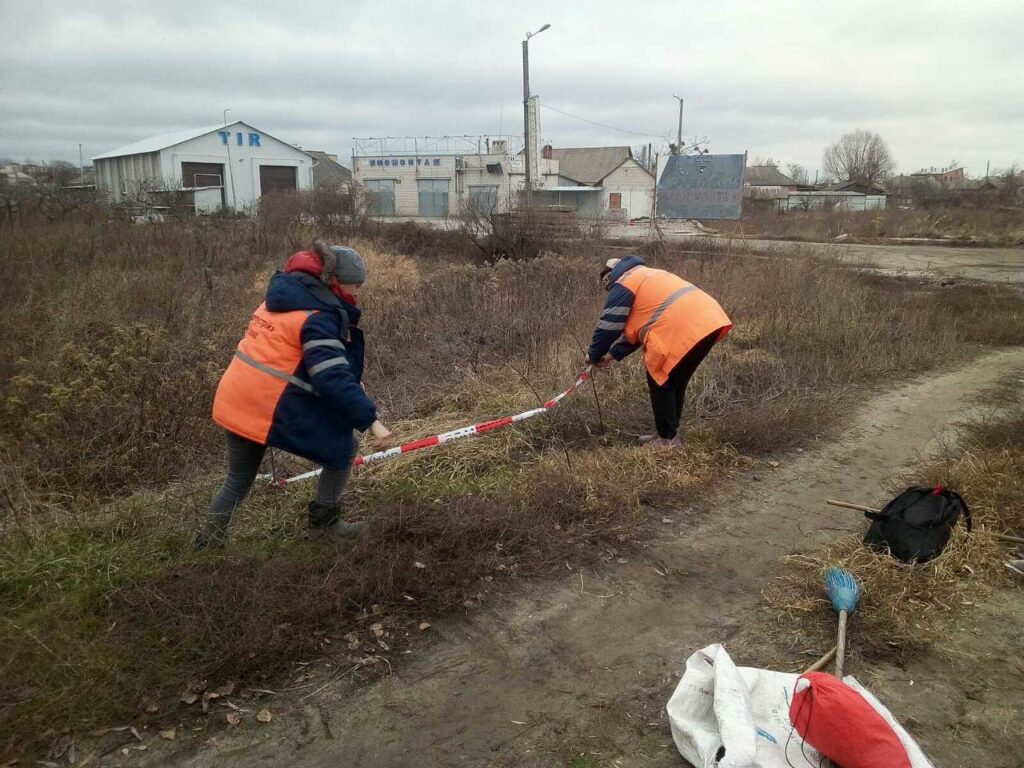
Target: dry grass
[[970, 226], [116, 334], [908, 608]]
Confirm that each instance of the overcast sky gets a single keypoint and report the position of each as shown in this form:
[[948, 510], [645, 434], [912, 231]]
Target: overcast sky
[[940, 81]]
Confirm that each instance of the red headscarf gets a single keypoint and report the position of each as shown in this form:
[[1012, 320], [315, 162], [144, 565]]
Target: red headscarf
[[311, 263]]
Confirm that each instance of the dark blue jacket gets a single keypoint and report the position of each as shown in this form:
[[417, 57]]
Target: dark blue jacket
[[319, 426], [608, 338]]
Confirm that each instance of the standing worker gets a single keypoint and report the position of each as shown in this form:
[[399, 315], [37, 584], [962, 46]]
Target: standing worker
[[295, 384], [674, 321]]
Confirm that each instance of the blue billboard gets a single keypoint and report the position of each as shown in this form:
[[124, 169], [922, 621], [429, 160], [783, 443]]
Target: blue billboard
[[701, 186]]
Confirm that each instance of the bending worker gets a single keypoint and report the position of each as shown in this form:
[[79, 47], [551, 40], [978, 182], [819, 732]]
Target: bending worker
[[674, 321], [294, 384]]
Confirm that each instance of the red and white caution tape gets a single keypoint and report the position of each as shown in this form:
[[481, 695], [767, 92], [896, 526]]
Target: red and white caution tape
[[455, 434]]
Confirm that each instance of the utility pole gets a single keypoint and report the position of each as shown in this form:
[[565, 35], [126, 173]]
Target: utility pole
[[526, 109], [679, 132], [81, 165], [228, 109]]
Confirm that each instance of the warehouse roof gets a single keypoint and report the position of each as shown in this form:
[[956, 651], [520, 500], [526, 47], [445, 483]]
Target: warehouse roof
[[162, 141], [328, 172], [588, 165], [767, 176], [165, 140]]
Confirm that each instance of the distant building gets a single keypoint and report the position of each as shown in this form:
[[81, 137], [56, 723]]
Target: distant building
[[849, 200], [627, 188], [228, 166], [767, 182], [328, 173], [860, 187], [405, 178]]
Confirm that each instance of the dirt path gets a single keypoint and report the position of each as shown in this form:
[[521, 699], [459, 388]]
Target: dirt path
[[995, 265], [577, 673]]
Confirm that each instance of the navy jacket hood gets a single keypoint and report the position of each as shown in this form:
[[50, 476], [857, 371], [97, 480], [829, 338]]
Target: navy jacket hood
[[624, 266], [289, 291]]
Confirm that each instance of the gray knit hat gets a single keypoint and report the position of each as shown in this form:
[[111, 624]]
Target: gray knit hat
[[340, 262]]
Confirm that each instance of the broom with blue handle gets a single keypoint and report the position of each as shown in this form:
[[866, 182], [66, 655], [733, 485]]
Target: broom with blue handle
[[844, 592]]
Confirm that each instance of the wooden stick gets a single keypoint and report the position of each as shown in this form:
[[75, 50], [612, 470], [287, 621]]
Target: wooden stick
[[862, 508], [841, 645], [848, 505], [822, 662], [1007, 537]]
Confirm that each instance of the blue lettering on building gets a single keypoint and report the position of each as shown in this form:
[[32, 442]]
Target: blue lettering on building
[[254, 140], [223, 136], [390, 162]]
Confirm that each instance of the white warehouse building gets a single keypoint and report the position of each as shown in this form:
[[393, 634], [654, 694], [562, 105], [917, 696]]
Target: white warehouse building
[[229, 166]]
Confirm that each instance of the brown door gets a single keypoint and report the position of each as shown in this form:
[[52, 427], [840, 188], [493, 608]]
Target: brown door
[[278, 178], [202, 175], [615, 201]]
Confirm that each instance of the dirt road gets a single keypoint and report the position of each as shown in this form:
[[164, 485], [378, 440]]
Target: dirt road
[[995, 265], [577, 673]]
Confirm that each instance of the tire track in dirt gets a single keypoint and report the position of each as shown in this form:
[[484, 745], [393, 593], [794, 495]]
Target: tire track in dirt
[[586, 666]]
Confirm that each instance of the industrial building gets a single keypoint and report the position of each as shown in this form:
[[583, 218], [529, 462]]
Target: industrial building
[[430, 178], [229, 166]]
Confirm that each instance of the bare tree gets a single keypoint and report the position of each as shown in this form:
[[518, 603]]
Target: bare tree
[[1011, 178], [798, 173], [644, 155], [860, 156], [63, 173], [770, 161]]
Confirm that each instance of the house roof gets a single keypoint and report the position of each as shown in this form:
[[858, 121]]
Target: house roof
[[328, 172], [767, 176], [588, 165], [843, 186], [165, 140]]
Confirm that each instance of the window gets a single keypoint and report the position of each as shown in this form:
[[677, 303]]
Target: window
[[483, 199], [380, 197], [433, 197], [615, 201]]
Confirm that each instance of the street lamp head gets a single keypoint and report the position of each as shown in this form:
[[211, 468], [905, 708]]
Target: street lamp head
[[532, 34]]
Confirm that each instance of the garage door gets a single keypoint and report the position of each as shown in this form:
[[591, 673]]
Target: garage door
[[202, 175], [278, 178]]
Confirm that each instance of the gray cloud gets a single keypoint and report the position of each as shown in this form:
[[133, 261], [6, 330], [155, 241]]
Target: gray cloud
[[940, 81]]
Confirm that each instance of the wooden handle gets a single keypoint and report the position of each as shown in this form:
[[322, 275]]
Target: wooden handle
[[841, 645], [822, 662], [848, 505], [862, 508], [1006, 537]]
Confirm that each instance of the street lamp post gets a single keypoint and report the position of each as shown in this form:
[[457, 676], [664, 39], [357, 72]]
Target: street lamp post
[[679, 133], [526, 108]]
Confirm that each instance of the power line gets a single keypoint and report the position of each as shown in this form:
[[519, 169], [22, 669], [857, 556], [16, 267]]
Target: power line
[[603, 125]]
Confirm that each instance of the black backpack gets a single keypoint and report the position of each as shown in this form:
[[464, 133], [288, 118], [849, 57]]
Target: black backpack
[[916, 526]]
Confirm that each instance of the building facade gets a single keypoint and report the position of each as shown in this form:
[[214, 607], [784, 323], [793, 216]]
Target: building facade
[[439, 184], [223, 166], [594, 183]]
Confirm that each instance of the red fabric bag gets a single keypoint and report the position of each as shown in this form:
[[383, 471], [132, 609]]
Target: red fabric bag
[[838, 722]]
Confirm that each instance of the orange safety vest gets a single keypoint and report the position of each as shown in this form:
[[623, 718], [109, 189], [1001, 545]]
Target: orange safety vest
[[668, 318], [265, 362]]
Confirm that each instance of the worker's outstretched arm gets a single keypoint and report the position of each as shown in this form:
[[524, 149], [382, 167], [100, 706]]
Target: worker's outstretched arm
[[330, 371], [612, 323]]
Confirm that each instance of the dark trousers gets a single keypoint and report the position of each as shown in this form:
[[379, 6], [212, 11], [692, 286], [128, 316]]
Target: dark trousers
[[667, 399]]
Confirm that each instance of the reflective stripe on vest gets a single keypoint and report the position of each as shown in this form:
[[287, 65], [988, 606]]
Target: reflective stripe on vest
[[668, 302], [275, 372]]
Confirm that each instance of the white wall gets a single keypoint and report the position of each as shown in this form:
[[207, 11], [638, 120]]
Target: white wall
[[462, 171], [127, 175], [242, 182], [636, 187]]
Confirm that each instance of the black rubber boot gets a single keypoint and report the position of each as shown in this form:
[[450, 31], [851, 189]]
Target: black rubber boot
[[213, 536]]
